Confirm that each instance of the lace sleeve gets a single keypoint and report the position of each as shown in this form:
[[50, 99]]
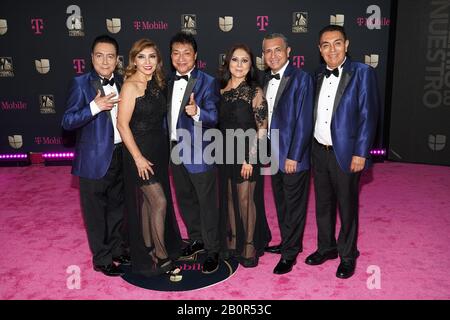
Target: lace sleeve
[[260, 108], [259, 104]]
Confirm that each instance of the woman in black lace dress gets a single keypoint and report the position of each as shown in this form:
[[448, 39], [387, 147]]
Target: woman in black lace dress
[[155, 240], [242, 112]]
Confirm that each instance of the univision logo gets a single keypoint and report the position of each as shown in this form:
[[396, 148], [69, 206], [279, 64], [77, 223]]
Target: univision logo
[[337, 20], [437, 142], [371, 60], [226, 23], [113, 25], [3, 26], [15, 141], [42, 65]]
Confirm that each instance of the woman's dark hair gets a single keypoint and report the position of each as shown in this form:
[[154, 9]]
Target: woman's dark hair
[[224, 71]]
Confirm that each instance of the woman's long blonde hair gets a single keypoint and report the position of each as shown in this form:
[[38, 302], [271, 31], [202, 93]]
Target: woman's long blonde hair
[[137, 47]]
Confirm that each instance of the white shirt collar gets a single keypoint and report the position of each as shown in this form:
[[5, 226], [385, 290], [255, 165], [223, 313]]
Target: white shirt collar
[[281, 71]]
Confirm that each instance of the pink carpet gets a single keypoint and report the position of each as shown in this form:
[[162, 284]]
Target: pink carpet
[[404, 231]]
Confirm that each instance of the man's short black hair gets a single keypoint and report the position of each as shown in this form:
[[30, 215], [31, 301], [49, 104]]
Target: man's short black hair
[[104, 38], [185, 38], [331, 28]]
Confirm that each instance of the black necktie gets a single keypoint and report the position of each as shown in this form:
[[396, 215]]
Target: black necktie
[[334, 72], [276, 76], [185, 77], [105, 82]]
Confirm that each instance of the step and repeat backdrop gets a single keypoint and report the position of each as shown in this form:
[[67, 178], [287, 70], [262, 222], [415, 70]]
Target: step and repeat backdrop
[[420, 116], [44, 44]]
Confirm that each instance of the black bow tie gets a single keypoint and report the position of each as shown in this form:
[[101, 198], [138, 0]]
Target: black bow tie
[[185, 77], [105, 82], [276, 76], [334, 72]]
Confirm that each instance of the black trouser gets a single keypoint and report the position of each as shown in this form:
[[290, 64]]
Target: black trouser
[[334, 187], [291, 195], [102, 204], [197, 199]]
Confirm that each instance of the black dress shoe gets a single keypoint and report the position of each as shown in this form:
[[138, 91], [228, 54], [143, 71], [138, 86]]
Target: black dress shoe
[[110, 270], [316, 258], [284, 266], [211, 264], [346, 269], [123, 260], [191, 250], [273, 249]]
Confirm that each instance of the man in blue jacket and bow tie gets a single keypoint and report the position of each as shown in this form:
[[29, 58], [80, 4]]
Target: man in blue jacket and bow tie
[[92, 111], [289, 95], [345, 121], [192, 109]]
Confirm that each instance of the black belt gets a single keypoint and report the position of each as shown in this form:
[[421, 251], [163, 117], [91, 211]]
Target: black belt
[[118, 145], [323, 146]]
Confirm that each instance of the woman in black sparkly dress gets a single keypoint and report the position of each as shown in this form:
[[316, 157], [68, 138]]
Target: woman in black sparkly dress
[[154, 236], [242, 112]]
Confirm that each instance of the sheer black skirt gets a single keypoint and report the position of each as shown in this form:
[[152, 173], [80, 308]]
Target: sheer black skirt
[[153, 230]]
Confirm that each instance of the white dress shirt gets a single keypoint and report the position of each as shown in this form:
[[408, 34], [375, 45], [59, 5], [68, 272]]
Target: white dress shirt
[[327, 95], [95, 109], [271, 93], [179, 87]]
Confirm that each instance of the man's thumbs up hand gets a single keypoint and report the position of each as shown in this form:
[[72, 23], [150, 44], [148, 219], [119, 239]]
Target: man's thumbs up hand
[[191, 108]]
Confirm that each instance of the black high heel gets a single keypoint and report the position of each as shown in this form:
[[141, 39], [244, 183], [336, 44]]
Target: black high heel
[[168, 267], [249, 262]]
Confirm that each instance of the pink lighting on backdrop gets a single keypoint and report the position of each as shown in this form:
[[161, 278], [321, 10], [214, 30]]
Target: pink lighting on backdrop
[[58, 155], [16, 156]]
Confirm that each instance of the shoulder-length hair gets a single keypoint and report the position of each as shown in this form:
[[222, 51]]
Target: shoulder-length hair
[[137, 47], [224, 71]]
